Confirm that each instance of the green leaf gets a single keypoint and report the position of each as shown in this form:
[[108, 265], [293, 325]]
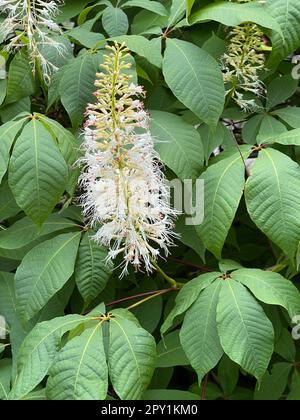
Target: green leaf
[[270, 288], [170, 351], [149, 314], [85, 37], [233, 14], [77, 85], [287, 138], [270, 128], [152, 6], [280, 89], [8, 205], [20, 78], [285, 346], [131, 358], [177, 10], [273, 384], [67, 142], [294, 394], [187, 296], [38, 351], [37, 172], [246, 334], [189, 237], [290, 115], [39, 395], [5, 378], [287, 15], [273, 198], [8, 304], [178, 144], [189, 6], [25, 231], [199, 334], [9, 112], [223, 188], [80, 371], [146, 22], [70, 9], [228, 374], [195, 79], [8, 133], [251, 128], [115, 21], [44, 271], [91, 271], [149, 49]]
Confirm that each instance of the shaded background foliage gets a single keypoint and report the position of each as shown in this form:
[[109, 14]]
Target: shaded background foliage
[[230, 324]]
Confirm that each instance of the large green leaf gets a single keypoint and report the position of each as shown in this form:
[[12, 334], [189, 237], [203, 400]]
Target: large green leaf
[[223, 188], [270, 127], [80, 371], [287, 138], [246, 334], [44, 271], [279, 90], [8, 205], [290, 115], [149, 49], [270, 288], [153, 6], [177, 10], [189, 6], [8, 133], [37, 172], [273, 384], [233, 14], [20, 78], [115, 21], [199, 334], [131, 358], [187, 296], [38, 352], [25, 231], [195, 79], [287, 15], [8, 304], [91, 271], [5, 378], [66, 141], [273, 198], [77, 85], [170, 351], [178, 144]]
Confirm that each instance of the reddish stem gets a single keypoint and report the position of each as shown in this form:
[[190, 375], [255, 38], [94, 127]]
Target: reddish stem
[[204, 386], [140, 295]]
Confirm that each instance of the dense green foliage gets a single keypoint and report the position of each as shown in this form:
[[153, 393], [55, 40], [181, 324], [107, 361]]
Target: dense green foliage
[[215, 320]]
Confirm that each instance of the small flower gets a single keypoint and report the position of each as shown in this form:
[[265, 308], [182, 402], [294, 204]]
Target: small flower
[[243, 62], [30, 22], [126, 197]]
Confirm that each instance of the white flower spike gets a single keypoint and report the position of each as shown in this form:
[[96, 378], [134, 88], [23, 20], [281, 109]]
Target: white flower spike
[[30, 22], [243, 62], [126, 196]]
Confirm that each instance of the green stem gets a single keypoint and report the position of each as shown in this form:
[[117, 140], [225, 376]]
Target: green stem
[[171, 281], [140, 302]]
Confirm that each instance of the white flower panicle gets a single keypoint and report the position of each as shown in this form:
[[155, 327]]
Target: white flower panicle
[[31, 22], [243, 62], [126, 196]]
